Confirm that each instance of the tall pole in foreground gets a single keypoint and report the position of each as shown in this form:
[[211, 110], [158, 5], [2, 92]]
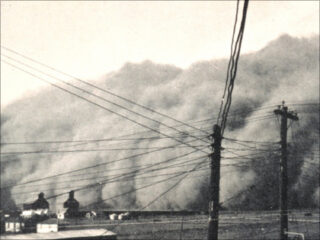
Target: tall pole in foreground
[[285, 114], [214, 184]]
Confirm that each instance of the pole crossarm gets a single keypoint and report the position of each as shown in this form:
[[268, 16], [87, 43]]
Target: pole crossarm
[[283, 111]]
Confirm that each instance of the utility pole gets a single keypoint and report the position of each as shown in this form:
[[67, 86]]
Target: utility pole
[[285, 114], [214, 184]]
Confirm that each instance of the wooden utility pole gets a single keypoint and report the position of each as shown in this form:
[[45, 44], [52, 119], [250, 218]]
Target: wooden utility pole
[[285, 114], [214, 184]]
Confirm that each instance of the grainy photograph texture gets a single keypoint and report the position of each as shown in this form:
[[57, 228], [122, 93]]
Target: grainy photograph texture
[[160, 120]]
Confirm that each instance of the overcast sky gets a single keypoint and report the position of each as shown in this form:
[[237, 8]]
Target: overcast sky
[[89, 39]]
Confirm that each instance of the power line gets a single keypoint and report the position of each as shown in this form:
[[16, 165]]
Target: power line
[[85, 168], [231, 60], [249, 141], [115, 169], [80, 88], [104, 90], [134, 172], [116, 196], [123, 175], [183, 164], [103, 107], [119, 195], [123, 137], [93, 150], [250, 188], [117, 138], [156, 198], [248, 155], [119, 180], [303, 103], [247, 148], [159, 196], [88, 140], [97, 96], [232, 70]]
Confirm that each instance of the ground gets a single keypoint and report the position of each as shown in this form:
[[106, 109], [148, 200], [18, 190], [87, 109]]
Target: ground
[[232, 225]]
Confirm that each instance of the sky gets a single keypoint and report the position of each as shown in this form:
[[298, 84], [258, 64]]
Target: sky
[[90, 39]]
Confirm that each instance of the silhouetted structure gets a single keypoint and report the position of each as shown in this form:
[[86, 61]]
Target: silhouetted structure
[[73, 206], [40, 203]]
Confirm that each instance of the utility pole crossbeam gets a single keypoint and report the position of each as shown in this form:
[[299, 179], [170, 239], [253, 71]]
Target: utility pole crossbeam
[[285, 115], [214, 184]]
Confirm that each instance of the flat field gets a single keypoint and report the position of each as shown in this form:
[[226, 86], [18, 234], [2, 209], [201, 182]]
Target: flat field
[[232, 225]]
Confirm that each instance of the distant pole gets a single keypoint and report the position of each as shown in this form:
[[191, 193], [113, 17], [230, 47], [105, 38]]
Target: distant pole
[[283, 188], [181, 227], [214, 184]]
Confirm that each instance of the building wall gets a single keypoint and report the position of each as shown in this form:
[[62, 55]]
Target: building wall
[[46, 228], [13, 226]]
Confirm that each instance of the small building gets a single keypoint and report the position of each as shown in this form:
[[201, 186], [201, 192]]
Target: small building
[[50, 225], [14, 225]]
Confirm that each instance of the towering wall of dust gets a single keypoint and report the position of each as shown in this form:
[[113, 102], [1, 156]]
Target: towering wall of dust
[[286, 69]]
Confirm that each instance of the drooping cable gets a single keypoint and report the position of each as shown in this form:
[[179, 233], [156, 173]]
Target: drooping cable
[[232, 70]]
